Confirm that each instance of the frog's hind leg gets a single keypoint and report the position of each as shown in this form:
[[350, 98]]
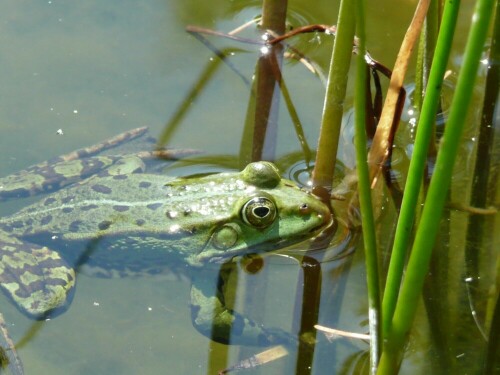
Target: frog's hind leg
[[213, 319], [63, 170], [36, 278], [47, 178]]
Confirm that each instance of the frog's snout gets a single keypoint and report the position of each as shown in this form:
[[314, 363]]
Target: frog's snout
[[319, 211]]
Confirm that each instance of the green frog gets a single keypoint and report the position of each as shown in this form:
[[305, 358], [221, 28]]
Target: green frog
[[119, 221]]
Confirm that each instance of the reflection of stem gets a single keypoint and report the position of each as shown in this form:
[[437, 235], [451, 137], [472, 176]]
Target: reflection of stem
[[31, 333], [484, 188], [278, 39], [262, 115], [204, 78], [266, 108], [310, 285], [195, 30], [299, 131], [483, 279]]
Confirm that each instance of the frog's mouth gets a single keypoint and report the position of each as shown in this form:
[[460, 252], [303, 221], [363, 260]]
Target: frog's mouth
[[214, 254]]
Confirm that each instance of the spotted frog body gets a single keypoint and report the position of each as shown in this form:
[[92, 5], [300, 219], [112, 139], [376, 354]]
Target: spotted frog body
[[121, 222]]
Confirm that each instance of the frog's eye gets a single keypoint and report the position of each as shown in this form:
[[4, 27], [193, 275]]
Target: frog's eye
[[259, 212]]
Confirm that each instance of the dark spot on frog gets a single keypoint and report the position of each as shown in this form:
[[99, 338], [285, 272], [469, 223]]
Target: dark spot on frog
[[17, 224], [39, 285], [46, 219], [89, 207], [7, 228], [120, 208], [187, 212], [154, 206], [140, 222], [67, 199], [90, 166], [28, 230], [120, 177], [103, 189], [70, 278], [49, 201], [67, 210], [75, 226], [29, 222], [103, 225], [144, 184]]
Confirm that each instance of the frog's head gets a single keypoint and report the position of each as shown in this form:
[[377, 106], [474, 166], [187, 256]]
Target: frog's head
[[271, 214]]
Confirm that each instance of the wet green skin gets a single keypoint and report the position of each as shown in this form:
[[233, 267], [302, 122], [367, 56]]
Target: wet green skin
[[119, 222]]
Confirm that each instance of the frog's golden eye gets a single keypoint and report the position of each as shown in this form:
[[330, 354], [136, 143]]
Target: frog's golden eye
[[259, 212]]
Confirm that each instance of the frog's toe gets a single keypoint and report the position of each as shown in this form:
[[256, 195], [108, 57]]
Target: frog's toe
[[36, 278]]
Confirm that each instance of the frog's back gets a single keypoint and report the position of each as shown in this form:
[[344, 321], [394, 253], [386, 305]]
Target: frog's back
[[139, 202], [91, 207]]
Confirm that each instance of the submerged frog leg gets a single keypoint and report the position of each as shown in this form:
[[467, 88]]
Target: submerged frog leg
[[85, 152], [48, 178], [45, 178], [63, 170], [36, 278], [213, 319]]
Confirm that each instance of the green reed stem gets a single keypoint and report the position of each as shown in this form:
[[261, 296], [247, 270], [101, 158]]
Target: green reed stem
[[364, 191], [416, 169], [426, 48], [438, 190], [334, 99]]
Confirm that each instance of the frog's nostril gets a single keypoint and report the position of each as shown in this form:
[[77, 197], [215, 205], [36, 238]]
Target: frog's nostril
[[304, 209]]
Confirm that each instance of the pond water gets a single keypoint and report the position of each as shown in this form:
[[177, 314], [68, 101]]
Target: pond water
[[93, 69]]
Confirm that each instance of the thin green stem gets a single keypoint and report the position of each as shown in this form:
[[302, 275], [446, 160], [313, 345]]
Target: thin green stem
[[426, 48], [438, 190], [333, 109], [416, 169], [368, 224]]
